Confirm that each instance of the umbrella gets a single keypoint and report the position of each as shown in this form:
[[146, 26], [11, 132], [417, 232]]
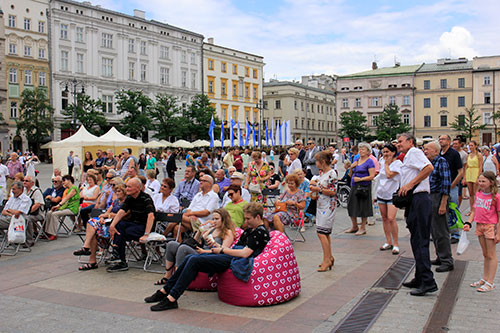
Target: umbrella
[[153, 144], [216, 143], [201, 143], [165, 143], [182, 144], [227, 143], [47, 145]]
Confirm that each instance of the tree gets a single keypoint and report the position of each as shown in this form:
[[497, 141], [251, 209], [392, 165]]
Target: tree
[[353, 125], [167, 117], [389, 123], [136, 106], [198, 116], [470, 123], [88, 112], [35, 120]]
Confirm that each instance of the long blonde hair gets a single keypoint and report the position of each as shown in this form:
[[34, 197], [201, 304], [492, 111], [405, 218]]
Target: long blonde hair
[[227, 223], [490, 175]]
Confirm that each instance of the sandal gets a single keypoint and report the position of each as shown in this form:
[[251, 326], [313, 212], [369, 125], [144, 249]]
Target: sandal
[[386, 247], [360, 232], [84, 251], [395, 250], [486, 287], [477, 283], [88, 267], [161, 282], [351, 231]]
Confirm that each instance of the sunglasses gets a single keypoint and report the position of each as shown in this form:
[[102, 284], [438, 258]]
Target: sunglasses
[[109, 177], [55, 181]]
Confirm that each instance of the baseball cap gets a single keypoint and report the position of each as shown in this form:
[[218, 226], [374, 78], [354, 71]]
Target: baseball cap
[[238, 175]]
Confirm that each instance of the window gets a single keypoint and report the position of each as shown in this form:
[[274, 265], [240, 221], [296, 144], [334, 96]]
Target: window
[[13, 109], [164, 52], [131, 70], [427, 103], [358, 102], [235, 69], [41, 53], [487, 98], [487, 118], [64, 100], [406, 100], [406, 118], [193, 80], [79, 62], [183, 79], [27, 51], [443, 102], [27, 24], [183, 56], [223, 90], [427, 121], [427, 84], [247, 92], [64, 60], [144, 69], [345, 102], [164, 75], [107, 40], [255, 93], [444, 83], [210, 64], [107, 103], [487, 81], [235, 89], [131, 46], [12, 21], [143, 48], [235, 113], [193, 58], [28, 75], [461, 120], [444, 120], [375, 101], [277, 104], [12, 48], [13, 75], [461, 101], [42, 81], [41, 26], [392, 100], [255, 74], [107, 67], [223, 67], [461, 82], [64, 31], [210, 86], [295, 105], [374, 120], [79, 34], [247, 71]]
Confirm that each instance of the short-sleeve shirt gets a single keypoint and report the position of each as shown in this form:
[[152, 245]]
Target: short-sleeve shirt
[[100, 162], [110, 162], [255, 239], [3, 175], [386, 187], [139, 208], [169, 205], [362, 170], [454, 162], [209, 201], [413, 162], [484, 211], [236, 212], [21, 203], [150, 164]]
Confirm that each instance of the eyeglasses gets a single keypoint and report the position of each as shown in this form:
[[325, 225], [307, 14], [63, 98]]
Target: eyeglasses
[[309, 143], [113, 184], [110, 177]]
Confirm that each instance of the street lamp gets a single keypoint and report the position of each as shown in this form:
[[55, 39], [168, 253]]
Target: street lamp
[[73, 85], [260, 107]]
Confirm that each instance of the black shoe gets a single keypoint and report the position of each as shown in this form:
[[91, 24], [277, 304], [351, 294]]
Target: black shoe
[[411, 284], [436, 262], [84, 251], [113, 260], [156, 297], [424, 290], [454, 240], [444, 268], [165, 304], [120, 267]]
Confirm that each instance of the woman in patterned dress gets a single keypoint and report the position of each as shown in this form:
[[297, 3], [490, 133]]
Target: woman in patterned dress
[[326, 206], [257, 175]]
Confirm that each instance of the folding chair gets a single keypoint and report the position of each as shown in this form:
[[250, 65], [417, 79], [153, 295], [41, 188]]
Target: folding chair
[[270, 196], [101, 242], [8, 249], [295, 227]]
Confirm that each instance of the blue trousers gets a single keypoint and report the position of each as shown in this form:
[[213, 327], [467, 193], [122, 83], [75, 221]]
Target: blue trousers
[[128, 231], [194, 263], [418, 222]]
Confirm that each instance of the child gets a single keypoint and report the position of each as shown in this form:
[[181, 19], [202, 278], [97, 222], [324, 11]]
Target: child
[[485, 213]]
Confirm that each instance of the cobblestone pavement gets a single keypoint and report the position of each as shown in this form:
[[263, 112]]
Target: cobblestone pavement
[[43, 291]]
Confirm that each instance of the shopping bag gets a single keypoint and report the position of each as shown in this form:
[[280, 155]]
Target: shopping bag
[[463, 243], [17, 230]]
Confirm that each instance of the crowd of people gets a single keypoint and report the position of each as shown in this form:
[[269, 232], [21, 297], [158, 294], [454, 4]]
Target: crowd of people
[[253, 191]]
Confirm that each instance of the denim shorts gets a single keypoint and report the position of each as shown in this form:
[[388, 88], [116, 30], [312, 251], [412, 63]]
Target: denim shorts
[[384, 202]]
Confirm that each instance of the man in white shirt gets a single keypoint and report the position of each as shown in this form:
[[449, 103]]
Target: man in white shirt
[[415, 175], [35, 213], [18, 204], [4, 172], [237, 179]]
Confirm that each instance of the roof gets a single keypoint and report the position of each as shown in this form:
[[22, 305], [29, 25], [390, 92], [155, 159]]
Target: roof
[[454, 66], [298, 85], [384, 71]]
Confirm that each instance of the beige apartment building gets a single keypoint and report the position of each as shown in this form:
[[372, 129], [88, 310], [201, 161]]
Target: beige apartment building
[[4, 130], [311, 111], [370, 91]]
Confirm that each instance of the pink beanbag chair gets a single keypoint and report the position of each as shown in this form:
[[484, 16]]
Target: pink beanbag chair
[[205, 283], [275, 277]]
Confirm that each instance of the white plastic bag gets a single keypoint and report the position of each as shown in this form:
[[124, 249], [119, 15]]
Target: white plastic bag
[[463, 243], [17, 230]]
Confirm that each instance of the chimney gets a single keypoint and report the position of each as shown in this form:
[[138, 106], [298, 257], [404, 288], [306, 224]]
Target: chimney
[[374, 65], [210, 40], [140, 14]]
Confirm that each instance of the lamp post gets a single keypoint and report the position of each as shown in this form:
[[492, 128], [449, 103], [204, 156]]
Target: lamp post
[[73, 85], [260, 107]]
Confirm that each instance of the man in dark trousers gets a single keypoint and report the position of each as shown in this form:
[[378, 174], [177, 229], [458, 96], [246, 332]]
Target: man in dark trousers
[[171, 166]]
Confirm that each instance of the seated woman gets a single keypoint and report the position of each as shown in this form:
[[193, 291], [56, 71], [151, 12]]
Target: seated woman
[[164, 201], [251, 243], [152, 183], [222, 232], [89, 194], [295, 201], [67, 207], [97, 226], [235, 206]]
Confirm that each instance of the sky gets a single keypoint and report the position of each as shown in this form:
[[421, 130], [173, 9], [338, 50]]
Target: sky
[[304, 37]]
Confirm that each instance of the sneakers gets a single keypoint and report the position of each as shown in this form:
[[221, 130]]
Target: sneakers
[[120, 267], [113, 260], [156, 297], [165, 304]]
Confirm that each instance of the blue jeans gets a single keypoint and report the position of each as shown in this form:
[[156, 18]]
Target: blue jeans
[[194, 263]]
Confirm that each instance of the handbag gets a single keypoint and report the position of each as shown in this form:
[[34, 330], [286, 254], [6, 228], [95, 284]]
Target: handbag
[[254, 188], [280, 207], [362, 191], [403, 202], [17, 230]]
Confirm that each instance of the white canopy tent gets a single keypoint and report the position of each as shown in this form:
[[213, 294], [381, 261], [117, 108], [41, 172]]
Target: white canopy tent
[[183, 144]]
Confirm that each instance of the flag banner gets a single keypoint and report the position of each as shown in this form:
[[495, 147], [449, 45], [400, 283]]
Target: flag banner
[[267, 136], [248, 133], [271, 137], [240, 135], [211, 132], [259, 141], [253, 135], [289, 133], [276, 137], [232, 132], [281, 134], [222, 135]]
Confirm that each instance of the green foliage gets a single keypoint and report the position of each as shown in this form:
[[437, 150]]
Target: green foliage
[[198, 116], [88, 112], [35, 119], [353, 125], [167, 118], [136, 107], [470, 125], [390, 124]]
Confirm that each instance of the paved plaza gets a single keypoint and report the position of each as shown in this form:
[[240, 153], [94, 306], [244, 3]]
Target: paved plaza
[[43, 291]]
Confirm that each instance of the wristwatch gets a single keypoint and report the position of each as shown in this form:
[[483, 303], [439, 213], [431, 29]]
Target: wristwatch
[[146, 234]]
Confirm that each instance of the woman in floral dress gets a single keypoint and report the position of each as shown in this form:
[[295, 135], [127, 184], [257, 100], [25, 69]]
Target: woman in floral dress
[[257, 175]]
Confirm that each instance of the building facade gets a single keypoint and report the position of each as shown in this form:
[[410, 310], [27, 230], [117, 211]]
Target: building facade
[[103, 51], [4, 129], [443, 92], [233, 82], [311, 111], [26, 59], [322, 81], [370, 91]]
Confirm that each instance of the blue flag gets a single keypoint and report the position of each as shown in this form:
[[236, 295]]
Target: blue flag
[[286, 132], [253, 132], [232, 132], [271, 137], [211, 132], [240, 136], [267, 136], [276, 138], [222, 135], [259, 141], [248, 133], [281, 138]]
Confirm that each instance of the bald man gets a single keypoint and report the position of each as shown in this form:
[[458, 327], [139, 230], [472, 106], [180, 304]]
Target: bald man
[[140, 210]]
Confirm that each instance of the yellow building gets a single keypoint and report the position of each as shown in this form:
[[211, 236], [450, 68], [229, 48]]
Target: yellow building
[[443, 91], [26, 57]]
